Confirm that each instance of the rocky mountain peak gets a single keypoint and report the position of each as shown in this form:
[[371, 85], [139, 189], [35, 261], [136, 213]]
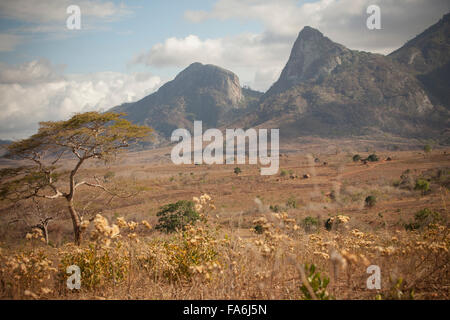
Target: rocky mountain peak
[[206, 77], [328, 90], [313, 56], [200, 92], [309, 33]]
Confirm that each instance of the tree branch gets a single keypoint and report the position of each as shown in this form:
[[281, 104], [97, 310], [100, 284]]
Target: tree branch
[[58, 194], [102, 187]]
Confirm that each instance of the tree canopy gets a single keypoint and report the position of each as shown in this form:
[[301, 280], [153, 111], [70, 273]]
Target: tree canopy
[[90, 135]]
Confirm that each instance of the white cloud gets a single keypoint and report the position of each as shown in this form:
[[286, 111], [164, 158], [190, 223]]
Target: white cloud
[[49, 17], [43, 11], [258, 58], [283, 17], [343, 21], [36, 71], [179, 52], [36, 91], [242, 54]]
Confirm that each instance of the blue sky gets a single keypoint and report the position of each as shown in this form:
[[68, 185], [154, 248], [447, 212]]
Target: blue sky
[[112, 44], [126, 50]]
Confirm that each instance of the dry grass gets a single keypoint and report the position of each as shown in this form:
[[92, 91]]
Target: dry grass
[[224, 258]]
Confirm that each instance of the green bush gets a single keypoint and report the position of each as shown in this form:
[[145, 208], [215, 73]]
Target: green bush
[[422, 185], [328, 224], [237, 171], [275, 208], [373, 157], [283, 173], [317, 283], [427, 148], [423, 218], [176, 216], [356, 158], [426, 216], [258, 229], [370, 201]]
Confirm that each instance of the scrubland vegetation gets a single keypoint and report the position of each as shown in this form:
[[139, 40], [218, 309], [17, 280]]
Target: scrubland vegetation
[[207, 232], [279, 260]]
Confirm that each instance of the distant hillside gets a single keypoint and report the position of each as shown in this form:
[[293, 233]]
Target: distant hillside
[[428, 56], [199, 92], [326, 89]]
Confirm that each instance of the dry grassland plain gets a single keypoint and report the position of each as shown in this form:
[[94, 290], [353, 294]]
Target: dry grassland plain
[[257, 237]]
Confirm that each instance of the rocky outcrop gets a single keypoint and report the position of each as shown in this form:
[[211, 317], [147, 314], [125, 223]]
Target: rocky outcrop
[[428, 57], [327, 89], [199, 92]]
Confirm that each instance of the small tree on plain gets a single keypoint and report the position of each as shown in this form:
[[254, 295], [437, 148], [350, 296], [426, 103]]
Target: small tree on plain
[[422, 185], [176, 216], [370, 201], [85, 136], [373, 157]]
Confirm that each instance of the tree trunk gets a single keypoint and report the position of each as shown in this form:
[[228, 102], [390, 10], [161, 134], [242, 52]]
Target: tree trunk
[[45, 227], [76, 221]]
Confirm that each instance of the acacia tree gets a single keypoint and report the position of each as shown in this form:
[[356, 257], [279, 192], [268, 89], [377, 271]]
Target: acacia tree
[[85, 136]]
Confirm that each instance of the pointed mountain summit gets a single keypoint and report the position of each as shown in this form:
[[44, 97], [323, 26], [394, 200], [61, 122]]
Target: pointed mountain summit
[[313, 56], [328, 90], [199, 92]]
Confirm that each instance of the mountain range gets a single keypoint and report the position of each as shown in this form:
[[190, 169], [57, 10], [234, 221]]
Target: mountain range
[[325, 89]]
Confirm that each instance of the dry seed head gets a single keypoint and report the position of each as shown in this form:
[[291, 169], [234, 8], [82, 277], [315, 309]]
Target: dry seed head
[[38, 232], [103, 228], [121, 222], [132, 225], [322, 254], [146, 224]]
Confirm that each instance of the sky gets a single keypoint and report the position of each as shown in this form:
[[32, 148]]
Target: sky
[[126, 50]]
